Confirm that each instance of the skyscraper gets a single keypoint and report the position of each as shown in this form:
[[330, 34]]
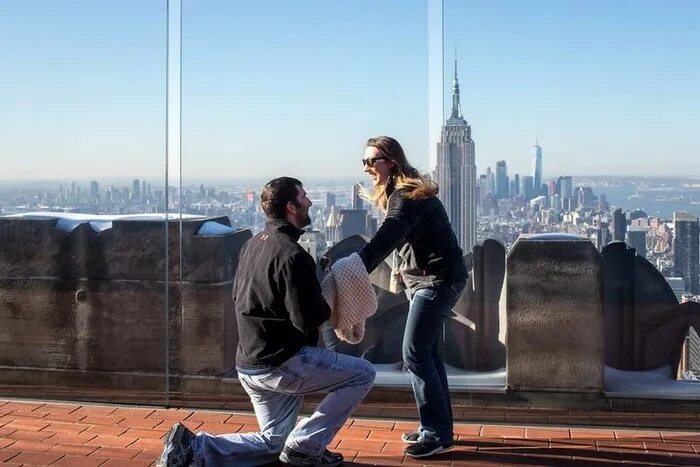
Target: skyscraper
[[356, 201], [686, 259], [637, 239], [482, 189], [456, 172], [136, 189], [566, 192], [602, 235], [584, 197], [489, 187], [526, 187], [513, 188], [537, 169], [619, 225], [502, 184]]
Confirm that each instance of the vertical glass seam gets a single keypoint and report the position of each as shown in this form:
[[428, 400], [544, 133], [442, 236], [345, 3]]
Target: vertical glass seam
[[167, 204]]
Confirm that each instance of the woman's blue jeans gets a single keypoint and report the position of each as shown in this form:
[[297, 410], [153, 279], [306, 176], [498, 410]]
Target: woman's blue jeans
[[421, 341]]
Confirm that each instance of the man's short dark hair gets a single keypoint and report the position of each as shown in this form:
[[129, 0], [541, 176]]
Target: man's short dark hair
[[276, 194]]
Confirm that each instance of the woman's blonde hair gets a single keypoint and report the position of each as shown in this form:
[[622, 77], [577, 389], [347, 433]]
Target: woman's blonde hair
[[403, 175]]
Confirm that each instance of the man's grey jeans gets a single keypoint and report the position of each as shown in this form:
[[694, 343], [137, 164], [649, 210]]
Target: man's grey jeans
[[277, 395]]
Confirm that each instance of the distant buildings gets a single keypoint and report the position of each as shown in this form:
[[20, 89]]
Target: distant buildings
[[677, 284], [352, 222], [456, 172], [689, 364], [94, 192], [249, 200], [313, 242], [686, 250]]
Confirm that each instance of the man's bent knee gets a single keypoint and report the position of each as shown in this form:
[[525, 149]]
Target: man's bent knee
[[274, 442], [370, 373]]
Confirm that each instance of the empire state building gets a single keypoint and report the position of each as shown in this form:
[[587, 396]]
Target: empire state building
[[456, 172]]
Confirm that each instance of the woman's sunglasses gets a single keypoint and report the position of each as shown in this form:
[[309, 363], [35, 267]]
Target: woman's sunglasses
[[370, 161]]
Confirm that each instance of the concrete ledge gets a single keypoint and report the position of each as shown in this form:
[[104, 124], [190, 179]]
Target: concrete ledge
[[212, 392]]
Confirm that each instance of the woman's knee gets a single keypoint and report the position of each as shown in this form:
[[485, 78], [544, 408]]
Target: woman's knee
[[415, 359]]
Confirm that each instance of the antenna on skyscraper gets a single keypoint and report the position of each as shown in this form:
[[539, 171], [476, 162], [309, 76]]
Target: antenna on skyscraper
[[456, 107], [455, 62]]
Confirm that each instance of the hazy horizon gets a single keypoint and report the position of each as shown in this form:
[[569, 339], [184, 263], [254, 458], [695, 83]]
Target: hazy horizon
[[314, 179]]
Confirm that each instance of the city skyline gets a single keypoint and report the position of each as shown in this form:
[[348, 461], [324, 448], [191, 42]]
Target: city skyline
[[85, 96]]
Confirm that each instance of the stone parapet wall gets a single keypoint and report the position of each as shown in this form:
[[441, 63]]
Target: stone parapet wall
[[86, 307], [94, 301], [554, 301]]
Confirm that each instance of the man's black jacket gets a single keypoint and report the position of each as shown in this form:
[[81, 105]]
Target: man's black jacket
[[277, 298]]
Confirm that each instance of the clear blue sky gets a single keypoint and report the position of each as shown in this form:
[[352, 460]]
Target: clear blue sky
[[272, 87]]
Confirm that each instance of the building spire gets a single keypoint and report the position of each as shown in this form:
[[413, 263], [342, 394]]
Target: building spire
[[456, 107]]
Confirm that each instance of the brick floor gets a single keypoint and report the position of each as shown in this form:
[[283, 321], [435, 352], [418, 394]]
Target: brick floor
[[44, 433]]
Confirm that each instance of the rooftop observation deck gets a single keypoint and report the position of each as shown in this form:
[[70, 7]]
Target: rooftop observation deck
[[557, 353]]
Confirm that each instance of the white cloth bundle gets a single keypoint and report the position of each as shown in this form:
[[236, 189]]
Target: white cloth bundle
[[349, 292]]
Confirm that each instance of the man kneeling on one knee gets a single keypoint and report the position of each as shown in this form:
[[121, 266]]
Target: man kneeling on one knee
[[279, 307]]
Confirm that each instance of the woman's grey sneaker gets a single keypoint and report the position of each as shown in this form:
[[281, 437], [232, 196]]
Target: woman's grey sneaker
[[410, 437], [178, 447], [298, 459], [426, 449]]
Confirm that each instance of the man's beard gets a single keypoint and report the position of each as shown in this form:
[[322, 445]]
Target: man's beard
[[305, 221]]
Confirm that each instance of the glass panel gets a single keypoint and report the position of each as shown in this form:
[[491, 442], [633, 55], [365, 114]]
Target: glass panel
[[586, 193], [279, 89], [82, 197]]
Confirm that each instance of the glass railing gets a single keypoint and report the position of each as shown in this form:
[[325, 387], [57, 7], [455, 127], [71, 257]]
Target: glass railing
[[137, 140]]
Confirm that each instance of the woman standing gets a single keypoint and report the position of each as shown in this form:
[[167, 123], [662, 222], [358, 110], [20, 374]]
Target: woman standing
[[432, 269]]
